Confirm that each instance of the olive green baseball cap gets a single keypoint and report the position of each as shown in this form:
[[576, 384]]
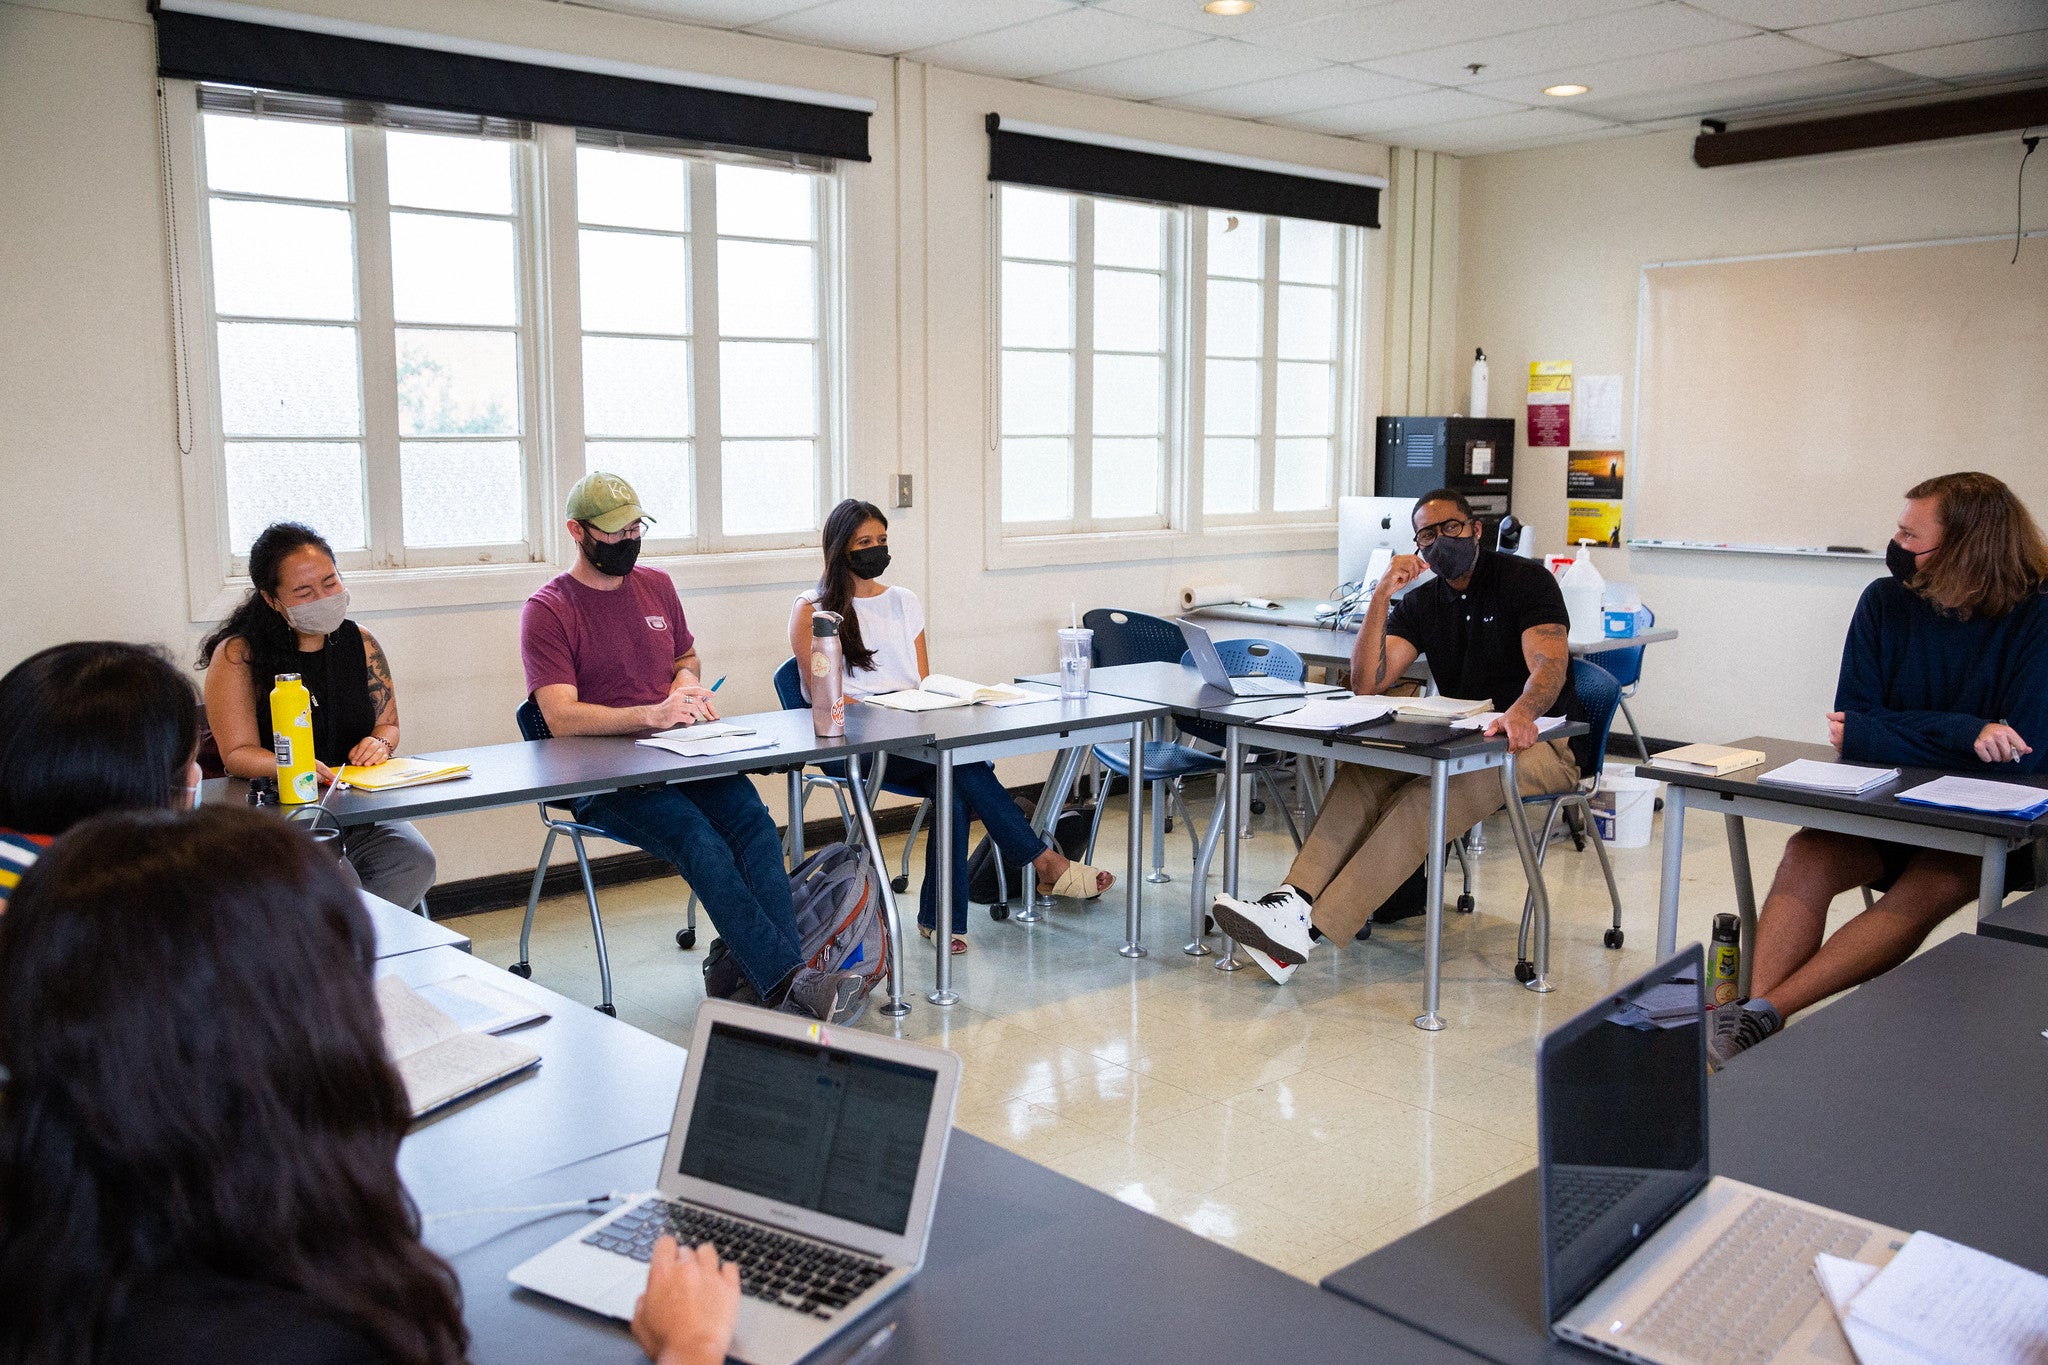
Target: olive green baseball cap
[[606, 501]]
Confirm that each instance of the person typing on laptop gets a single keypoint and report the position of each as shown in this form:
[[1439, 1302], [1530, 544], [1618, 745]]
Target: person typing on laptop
[[607, 652], [1492, 625], [1945, 666]]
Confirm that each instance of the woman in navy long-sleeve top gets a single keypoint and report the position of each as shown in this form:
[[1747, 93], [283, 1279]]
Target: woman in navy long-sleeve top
[[1946, 666]]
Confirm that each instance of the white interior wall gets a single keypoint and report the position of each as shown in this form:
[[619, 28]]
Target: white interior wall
[[89, 467], [1551, 245]]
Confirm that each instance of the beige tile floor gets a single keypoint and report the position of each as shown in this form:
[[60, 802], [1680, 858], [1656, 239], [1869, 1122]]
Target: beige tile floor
[[1303, 1125]]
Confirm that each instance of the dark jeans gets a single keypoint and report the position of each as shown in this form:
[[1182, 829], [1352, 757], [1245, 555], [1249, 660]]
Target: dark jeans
[[719, 836], [975, 788]]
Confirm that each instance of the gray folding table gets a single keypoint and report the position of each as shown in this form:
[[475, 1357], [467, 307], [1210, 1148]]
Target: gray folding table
[[1917, 1100], [1877, 814], [400, 931]]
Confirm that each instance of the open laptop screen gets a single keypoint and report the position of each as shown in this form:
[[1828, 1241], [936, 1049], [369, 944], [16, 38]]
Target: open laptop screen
[[811, 1126], [1621, 1097]]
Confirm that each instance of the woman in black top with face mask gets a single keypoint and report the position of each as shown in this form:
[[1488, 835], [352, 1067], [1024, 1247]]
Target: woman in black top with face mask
[[295, 620]]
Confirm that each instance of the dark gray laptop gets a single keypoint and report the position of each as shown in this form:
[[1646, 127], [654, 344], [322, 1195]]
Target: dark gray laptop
[[1209, 664]]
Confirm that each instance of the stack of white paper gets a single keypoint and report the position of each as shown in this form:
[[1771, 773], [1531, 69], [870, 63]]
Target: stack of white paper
[[710, 729], [1980, 795], [1938, 1301], [1333, 713], [1844, 778], [694, 746], [1544, 724]]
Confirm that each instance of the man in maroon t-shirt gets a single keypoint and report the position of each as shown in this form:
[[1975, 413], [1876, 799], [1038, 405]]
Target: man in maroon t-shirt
[[607, 652]]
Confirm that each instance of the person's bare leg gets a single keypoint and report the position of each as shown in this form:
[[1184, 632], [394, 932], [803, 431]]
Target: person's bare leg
[[1817, 867], [1934, 886]]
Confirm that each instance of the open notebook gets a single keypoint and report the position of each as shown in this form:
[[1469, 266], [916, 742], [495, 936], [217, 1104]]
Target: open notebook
[[437, 1059], [941, 690], [400, 772]]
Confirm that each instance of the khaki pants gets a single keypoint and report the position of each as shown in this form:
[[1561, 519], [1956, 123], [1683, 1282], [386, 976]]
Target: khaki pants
[[1373, 831]]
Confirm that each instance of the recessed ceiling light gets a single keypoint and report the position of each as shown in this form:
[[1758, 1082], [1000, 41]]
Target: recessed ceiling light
[[1231, 8], [1565, 91]]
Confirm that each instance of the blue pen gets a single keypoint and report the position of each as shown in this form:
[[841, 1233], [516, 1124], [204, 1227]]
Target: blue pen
[[720, 683]]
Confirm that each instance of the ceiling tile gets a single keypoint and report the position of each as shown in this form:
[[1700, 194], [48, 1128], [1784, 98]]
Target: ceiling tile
[[892, 26], [1322, 88], [1184, 70], [1189, 14], [1497, 133], [1417, 25], [1062, 42], [1954, 21], [1629, 33], [709, 13], [1782, 14], [1985, 57], [1768, 91], [1666, 70], [1434, 106]]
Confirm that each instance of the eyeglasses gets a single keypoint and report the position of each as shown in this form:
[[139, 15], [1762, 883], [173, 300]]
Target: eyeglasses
[[1450, 526], [632, 532]]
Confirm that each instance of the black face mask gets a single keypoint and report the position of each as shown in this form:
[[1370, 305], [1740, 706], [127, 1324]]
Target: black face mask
[[871, 562], [1903, 563], [614, 559], [1452, 557]]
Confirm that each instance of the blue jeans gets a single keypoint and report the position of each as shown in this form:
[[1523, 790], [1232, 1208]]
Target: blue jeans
[[975, 788], [719, 836]]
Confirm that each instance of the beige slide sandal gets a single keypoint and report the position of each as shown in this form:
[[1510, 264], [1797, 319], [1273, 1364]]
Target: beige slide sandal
[[1079, 882]]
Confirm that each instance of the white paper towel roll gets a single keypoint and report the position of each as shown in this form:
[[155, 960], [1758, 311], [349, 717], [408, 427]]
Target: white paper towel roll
[[1210, 595]]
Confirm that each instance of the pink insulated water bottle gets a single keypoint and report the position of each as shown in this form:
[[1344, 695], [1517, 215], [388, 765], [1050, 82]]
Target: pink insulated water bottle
[[828, 675]]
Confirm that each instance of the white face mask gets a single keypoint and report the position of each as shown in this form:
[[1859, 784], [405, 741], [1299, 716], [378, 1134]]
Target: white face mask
[[323, 617]]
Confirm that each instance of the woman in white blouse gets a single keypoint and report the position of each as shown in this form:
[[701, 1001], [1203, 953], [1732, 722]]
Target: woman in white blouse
[[882, 634]]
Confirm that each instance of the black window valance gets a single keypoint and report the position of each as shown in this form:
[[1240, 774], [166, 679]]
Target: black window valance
[[202, 47], [1029, 158]]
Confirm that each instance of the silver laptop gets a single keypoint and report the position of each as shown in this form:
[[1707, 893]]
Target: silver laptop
[[1210, 664], [808, 1154], [1645, 1256]]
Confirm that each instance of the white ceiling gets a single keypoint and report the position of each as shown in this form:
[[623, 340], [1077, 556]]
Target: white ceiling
[[1401, 71]]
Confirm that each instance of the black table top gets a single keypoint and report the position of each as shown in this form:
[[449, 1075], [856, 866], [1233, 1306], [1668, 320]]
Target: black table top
[[2023, 921], [1024, 1266], [600, 1085], [401, 931], [561, 769], [1178, 687], [1883, 803], [1917, 1101]]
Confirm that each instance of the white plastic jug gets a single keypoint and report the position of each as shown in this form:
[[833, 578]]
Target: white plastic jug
[[1584, 590]]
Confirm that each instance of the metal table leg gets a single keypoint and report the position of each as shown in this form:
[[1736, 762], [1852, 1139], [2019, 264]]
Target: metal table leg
[[1745, 896], [1433, 933], [1133, 901], [1990, 878], [942, 900], [1233, 769], [1674, 857], [897, 1006], [1052, 799], [796, 823], [1158, 876], [1198, 896], [1532, 869]]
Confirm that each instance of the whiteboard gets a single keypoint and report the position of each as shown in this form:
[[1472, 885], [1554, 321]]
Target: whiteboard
[[1791, 400]]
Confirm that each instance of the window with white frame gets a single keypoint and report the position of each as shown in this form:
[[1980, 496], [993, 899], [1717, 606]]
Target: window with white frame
[[1088, 360], [383, 331], [1116, 402]]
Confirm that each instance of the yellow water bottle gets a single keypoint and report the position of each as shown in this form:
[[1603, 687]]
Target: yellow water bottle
[[291, 734]]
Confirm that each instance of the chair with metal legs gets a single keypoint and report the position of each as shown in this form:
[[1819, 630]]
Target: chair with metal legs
[[832, 778], [558, 818], [1626, 666], [1263, 767], [1599, 695]]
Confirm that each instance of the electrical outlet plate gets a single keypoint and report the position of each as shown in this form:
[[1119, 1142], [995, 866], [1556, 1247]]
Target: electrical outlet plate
[[902, 490]]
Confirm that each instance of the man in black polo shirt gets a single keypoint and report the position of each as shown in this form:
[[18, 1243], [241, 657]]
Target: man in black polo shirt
[[1492, 626]]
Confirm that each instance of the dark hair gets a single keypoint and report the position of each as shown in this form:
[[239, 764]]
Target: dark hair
[[91, 726], [255, 620], [1449, 495], [1991, 557], [835, 585], [197, 1082]]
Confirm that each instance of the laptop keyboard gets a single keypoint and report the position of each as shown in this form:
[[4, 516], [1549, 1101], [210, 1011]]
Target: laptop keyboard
[[1741, 1300], [789, 1272], [1579, 1198]]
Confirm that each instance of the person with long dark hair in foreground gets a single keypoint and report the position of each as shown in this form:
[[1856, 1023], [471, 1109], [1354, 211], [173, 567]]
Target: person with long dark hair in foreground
[[199, 1129]]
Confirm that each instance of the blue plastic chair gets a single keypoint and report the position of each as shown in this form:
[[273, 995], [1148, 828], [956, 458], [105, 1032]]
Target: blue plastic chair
[[1626, 666], [1599, 694], [558, 818], [1132, 637], [1241, 658], [832, 777]]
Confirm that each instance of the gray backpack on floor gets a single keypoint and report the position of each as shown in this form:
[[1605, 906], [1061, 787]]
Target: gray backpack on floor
[[839, 913]]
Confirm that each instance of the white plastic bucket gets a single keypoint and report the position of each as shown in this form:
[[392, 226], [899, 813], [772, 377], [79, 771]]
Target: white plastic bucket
[[1622, 809]]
